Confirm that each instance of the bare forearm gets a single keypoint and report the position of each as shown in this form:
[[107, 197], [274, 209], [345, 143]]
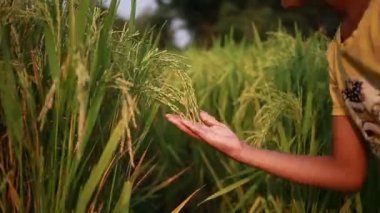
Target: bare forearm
[[321, 171], [345, 170]]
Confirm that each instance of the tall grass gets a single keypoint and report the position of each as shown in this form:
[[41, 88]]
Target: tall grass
[[77, 98], [274, 94]]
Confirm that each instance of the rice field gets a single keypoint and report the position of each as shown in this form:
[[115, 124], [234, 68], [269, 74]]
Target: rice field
[[274, 94], [82, 125]]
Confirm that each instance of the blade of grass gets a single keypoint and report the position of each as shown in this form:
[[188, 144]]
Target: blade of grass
[[183, 204], [227, 189], [123, 204], [97, 172]]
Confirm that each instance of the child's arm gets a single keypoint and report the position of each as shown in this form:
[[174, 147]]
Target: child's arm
[[345, 170]]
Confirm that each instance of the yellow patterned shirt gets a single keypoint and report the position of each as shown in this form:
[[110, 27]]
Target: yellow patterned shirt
[[355, 75]]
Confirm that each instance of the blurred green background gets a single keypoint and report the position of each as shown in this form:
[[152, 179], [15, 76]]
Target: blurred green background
[[204, 20]]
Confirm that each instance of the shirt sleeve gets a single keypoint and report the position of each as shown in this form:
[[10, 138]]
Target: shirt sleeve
[[338, 108]]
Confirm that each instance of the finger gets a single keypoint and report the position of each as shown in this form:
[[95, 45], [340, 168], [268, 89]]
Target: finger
[[208, 119], [204, 132], [197, 129], [177, 122], [186, 130]]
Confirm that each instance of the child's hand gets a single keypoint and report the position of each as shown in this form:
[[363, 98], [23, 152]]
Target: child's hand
[[214, 133]]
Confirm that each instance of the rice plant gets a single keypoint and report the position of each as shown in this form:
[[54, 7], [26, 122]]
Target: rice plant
[[76, 96]]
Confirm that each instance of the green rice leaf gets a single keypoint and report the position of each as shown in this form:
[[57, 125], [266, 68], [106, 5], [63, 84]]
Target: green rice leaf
[[123, 204], [52, 54], [10, 100], [82, 19], [227, 189], [98, 171], [183, 204]]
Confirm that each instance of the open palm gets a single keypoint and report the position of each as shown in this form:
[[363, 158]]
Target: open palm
[[211, 131]]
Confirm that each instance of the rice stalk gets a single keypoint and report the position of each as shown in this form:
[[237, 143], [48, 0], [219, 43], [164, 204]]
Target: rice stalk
[[72, 94]]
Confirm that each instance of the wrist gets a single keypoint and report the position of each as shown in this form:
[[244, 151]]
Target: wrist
[[239, 153]]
